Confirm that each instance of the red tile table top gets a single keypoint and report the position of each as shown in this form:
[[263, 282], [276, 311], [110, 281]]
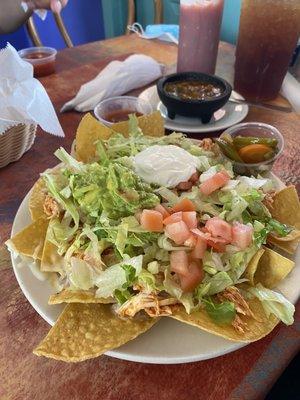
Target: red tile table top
[[244, 374]]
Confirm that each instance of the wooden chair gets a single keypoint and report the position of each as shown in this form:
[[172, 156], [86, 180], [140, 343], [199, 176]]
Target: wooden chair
[[33, 33], [158, 13]]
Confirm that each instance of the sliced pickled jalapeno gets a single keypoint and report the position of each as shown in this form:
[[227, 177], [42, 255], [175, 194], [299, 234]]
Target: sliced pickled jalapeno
[[241, 141], [229, 150]]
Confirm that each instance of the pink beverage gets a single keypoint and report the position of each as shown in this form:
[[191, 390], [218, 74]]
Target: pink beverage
[[200, 23]]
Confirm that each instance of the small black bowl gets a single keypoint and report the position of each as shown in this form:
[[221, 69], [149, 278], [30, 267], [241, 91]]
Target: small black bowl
[[203, 109]]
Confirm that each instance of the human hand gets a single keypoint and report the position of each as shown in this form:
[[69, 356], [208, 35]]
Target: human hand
[[53, 5]]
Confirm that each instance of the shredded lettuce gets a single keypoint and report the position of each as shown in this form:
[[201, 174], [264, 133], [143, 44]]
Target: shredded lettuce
[[81, 275], [118, 276], [168, 195], [274, 303], [153, 267], [219, 282], [147, 280]]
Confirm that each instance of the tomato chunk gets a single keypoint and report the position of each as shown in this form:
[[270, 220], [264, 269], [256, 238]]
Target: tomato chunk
[[219, 228], [195, 275], [242, 235], [184, 205], [214, 183], [171, 219], [178, 232], [219, 247], [190, 218], [199, 250], [152, 220], [179, 262], [190, 241], [160, 208]]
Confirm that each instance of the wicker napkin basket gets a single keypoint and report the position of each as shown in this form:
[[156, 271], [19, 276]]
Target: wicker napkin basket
[[15, 142]]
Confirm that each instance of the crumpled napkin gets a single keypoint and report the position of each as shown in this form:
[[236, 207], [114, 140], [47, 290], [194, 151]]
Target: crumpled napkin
[[117, 78], [290, 89], [23, 99]]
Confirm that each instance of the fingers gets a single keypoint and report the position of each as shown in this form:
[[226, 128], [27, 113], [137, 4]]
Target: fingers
[[55, 6]]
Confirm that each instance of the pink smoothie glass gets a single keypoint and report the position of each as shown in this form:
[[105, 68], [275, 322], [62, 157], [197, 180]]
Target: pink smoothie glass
[[200, 23]]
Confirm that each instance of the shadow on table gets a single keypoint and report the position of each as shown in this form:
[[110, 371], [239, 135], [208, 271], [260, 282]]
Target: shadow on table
[[288, 386]]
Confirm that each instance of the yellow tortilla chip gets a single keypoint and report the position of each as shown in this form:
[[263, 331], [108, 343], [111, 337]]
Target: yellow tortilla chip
[[272, 268], [51, 260], [286, 207], [86, 331], [90, 130], [78, 296], [30, 241], [289, 246], [37, 198], [257, 328], [151, 125], [252, 266]]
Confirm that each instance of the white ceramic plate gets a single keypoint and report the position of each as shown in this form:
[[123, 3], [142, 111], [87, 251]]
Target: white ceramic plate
[[228, 115], [168, 342]]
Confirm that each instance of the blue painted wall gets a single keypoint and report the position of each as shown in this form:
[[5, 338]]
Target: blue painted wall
[[90, 20], [115, 12], [83, 21]]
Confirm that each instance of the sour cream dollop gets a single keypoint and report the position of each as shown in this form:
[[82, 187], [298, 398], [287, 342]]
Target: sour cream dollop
[[165, 165]]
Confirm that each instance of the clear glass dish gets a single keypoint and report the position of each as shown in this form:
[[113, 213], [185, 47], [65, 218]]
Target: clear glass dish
[[41, 58], [257, 129], [119, 104]]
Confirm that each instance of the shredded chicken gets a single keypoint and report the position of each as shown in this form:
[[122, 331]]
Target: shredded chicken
[[239, 325], [207, 144], [51, 207], [242, 307], [149, 302], [269, 199]]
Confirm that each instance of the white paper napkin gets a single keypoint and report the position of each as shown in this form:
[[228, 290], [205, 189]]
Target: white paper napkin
[[290, 89], [23, 98], [117, 78]]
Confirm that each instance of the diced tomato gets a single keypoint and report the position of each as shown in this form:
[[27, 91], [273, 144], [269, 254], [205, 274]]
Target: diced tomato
[[219, 247], [241, 235], [199, 250], [179, 262], [198, 232], [152, 221], [178, 232], [219, 244], [160, 208], [219, 228], [171, 219], [195, 275], [190, 241], [215, 182], [190, 218], [184, 205]]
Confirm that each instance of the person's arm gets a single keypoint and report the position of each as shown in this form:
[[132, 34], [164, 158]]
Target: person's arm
[[12, 14]]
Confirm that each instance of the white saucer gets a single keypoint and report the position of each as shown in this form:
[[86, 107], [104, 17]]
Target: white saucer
[[228, 115]]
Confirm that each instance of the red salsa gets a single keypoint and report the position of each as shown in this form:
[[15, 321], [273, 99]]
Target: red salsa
[[41, 67], [120, 115]]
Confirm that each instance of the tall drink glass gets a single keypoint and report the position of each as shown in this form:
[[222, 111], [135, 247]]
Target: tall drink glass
[[199, 35], [269, 30]]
